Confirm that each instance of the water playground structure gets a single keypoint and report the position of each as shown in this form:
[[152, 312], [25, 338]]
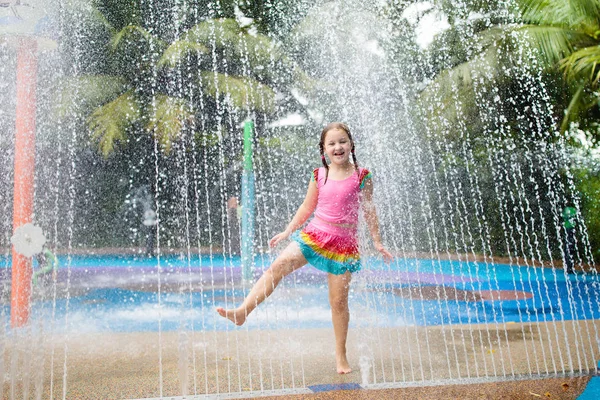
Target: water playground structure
[[152, 155]]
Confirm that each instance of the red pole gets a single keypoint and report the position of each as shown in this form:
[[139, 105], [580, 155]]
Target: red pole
[[24, 175]]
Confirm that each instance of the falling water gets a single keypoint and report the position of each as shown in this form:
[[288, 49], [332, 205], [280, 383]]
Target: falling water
[[472, 214]]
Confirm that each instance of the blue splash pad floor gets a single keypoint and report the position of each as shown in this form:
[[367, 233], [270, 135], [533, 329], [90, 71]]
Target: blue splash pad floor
[[120, 294]]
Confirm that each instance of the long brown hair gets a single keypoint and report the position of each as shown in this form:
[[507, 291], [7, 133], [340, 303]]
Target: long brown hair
[[335, 125]]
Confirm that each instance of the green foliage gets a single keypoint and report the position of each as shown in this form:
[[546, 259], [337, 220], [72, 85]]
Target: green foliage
[[168, 119], [242, 92], [587, 182], [227, 35], [157, 64], [572, 110], [583, 63], [578, 15], [117, 14], [132, 33], [179, 50], [566, 35], [552, 43], [109, 123], [466, 7], [87, 92], [148, 73], [100, 19], [560, 36], [486, 65]]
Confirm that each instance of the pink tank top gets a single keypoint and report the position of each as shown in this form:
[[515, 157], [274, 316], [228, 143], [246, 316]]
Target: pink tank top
[[338, 201]]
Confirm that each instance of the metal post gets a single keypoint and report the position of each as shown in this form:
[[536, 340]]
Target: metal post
[[248, 204]]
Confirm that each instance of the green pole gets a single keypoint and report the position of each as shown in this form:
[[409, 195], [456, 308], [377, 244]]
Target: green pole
[[248, 134], [247, 245]]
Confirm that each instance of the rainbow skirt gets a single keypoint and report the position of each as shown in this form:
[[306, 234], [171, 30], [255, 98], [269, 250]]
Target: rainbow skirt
[[332, 253]]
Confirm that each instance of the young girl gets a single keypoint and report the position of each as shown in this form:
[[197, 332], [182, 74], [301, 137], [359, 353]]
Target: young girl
[[329, 241]]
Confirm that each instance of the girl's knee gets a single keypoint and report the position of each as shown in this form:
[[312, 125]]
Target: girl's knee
[[279, 269], [284, 265], [339, 304]]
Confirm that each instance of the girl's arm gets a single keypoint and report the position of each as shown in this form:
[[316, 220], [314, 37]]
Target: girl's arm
[[306, 209], [372, 221]]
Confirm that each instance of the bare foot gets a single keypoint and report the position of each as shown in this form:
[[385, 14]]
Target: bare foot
[[342, 366], [237, 316]]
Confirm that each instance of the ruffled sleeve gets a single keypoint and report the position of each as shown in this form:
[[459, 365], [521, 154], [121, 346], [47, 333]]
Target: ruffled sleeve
[[314, 177], [364, 175]]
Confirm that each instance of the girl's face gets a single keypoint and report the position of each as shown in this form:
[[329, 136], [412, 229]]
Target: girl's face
[[338, 146]]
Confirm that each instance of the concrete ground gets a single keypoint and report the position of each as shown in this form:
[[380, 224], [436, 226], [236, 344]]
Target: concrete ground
[[452, 361]]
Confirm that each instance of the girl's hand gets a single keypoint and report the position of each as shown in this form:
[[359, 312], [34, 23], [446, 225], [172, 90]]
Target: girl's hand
[[387, 256], [278, 238]]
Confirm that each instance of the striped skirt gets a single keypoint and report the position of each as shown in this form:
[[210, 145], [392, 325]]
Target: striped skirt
[[329, 248]]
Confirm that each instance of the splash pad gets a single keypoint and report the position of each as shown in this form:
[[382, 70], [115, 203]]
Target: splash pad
[[461, 327], [478, 290]]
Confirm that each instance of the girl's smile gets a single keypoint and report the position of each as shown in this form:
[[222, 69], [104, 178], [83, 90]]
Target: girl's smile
[[338, 146]]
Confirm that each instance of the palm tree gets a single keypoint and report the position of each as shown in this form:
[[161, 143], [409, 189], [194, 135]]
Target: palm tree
[[182, 79], [566, 34], [564, 37], [160, 86], [560, 37]]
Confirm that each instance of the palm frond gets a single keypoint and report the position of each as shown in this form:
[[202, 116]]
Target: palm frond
[[306, 83], [178, 50], [108, 124], [221, 33], [573, 109], [583, 64], [583, 15], [484, 65], [551, 43], [240, 92], [86, 91], [537, 11], [586, 12], [168, 120], [99, 17], [260, 49], [130, 32], [226, 34]]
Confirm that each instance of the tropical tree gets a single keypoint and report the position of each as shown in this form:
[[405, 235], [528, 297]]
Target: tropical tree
[[147, 75], [157, 80], [563, 38], [567, 36], [557, 42]]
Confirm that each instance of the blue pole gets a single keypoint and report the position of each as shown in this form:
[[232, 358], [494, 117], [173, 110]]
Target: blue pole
[[247, 204]]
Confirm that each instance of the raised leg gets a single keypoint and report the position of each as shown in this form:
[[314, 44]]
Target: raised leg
[[339, 285], [287, 262]]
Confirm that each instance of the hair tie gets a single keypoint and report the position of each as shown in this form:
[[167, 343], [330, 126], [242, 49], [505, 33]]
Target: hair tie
[[323, 157]]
